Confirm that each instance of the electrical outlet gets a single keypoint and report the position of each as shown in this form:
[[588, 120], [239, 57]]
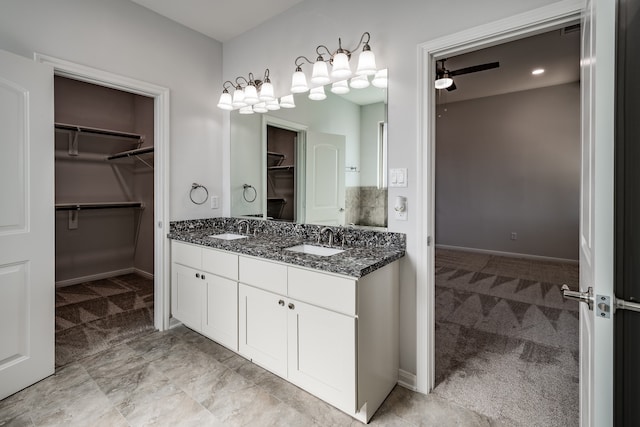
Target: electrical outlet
[[215, 202], [514, 235]]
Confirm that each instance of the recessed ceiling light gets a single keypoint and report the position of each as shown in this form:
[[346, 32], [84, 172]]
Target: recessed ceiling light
[[537, 71]]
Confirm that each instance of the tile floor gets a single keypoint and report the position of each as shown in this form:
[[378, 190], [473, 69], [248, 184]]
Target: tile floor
[[180, 378]]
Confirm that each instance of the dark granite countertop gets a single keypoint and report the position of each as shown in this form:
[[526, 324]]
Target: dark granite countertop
[[364, 251]]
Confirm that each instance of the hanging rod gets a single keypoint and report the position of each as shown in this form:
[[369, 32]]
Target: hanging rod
[[98, 131], [104, 205], [130, 153]]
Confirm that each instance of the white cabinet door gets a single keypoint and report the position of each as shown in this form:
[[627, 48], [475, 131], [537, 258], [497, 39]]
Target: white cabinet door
[[263, 328], [26, 223], [187, 295], [322, 353], [220, 321]]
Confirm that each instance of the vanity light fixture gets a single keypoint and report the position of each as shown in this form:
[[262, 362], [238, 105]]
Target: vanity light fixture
[[359, 82], [287, 102], [317, 93], [246, 92], [340, 87], [339, 60], [273, 105], [380, 79]]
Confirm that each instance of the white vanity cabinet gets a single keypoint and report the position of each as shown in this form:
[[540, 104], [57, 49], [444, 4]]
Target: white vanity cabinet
[[204, 291], [307, 326]]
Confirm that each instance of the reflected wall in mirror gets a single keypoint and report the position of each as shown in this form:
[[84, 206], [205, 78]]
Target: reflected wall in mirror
[[323, 162]]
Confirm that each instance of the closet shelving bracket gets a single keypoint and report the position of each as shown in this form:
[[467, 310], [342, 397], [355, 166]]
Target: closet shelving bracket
[[133, 153]]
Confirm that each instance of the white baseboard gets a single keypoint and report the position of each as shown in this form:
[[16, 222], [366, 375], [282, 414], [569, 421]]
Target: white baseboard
[[104, 275], [143, 273], [407, 380], [506, 254]]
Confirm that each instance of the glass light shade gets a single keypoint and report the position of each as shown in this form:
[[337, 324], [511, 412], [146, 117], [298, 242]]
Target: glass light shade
[[238, 99], [366, 63], [266, 92], [273, 105], [317, 93], [341, 68], [251, 94], [260, 107], [380, 79], [225, 102], [443, 83], [320, 75], [359, 82], [287, 102], [246, 110], [340, 87], [299, 82]]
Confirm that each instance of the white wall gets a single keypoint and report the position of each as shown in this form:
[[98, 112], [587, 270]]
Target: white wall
[[510, 163], [396, 29], [121, 37]]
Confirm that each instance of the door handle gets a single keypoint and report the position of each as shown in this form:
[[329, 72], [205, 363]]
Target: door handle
[[586, 297]]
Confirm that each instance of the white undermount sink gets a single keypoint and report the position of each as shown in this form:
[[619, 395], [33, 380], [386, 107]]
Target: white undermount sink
[[314, 250], [228, 236]]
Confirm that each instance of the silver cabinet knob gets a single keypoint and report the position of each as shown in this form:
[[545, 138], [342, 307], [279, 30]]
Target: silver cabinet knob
[[281, 303], [291, 306]]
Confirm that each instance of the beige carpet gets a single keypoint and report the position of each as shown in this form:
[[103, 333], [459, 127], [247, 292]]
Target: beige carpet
[[506, 340], [93, 316]]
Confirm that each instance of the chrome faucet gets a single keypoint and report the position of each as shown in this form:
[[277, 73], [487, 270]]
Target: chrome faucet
[[329, 232], [241, 223]]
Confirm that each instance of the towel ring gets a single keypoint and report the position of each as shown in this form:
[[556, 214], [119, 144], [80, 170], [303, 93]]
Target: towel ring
[[194, 187], [244, 193]]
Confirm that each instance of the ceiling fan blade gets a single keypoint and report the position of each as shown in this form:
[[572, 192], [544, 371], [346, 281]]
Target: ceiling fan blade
[[474, 69], [452, 87]]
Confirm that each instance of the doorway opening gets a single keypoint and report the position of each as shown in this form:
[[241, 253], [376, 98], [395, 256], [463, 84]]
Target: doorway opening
[[104, 225], [281, 176]]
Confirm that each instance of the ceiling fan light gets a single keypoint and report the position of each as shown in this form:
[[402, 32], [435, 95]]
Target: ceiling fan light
[[341, 68], [225, 102], [299, 82], [538, 71], [380, 79], [443, 82], [266, 92], [366, 63], [340, 88], [287, 102], [317, 93], [238, 98], [359, 82], [320, 74]]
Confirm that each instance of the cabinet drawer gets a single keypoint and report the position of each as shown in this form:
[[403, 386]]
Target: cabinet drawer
[[264, 274], [323, 290], [186, 254], [221, 263]]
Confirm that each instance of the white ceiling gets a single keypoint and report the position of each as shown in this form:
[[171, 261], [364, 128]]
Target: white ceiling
[[219, 19], [556, 51]]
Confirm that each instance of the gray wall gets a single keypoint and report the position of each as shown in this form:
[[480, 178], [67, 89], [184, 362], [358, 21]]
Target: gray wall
[[105, 240], [510, 163]]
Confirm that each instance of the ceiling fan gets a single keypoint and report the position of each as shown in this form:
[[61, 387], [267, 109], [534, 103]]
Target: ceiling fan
[[444, 78]]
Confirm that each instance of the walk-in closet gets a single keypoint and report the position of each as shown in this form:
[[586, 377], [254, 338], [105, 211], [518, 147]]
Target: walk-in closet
[[104, 182], [281, 174]]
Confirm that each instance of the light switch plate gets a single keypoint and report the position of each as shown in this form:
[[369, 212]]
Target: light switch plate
[[398, 177]]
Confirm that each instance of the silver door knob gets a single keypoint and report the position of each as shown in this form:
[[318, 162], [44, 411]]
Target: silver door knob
[[586, 297]]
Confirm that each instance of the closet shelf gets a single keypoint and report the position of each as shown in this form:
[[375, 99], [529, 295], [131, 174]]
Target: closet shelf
[[99, 131], [136, 152], [99, 205], [280, 168]]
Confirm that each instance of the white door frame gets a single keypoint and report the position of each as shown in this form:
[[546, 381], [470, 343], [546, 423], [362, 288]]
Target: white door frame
[[518, 26], [161, 165]]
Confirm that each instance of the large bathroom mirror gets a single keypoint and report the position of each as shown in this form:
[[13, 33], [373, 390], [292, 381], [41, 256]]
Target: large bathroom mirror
[[322, 162]]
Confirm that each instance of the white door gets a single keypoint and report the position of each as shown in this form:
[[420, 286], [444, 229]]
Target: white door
[[596, 222], [26, 223], [324, 165]]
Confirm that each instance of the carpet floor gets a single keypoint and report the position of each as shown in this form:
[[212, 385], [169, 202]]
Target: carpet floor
[[96, 315], [506, 340]]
